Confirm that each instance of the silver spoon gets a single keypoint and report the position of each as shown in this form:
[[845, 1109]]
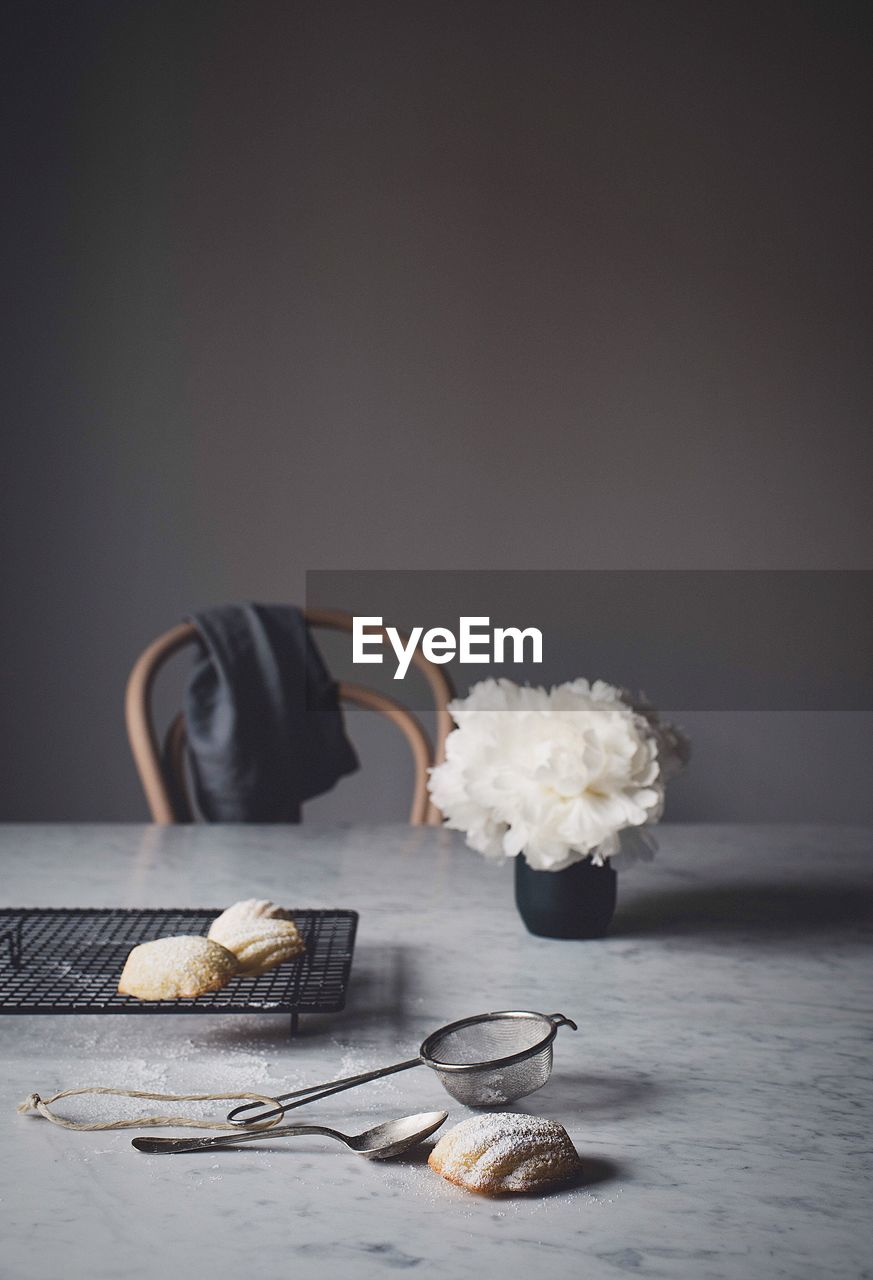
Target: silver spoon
[[380, 1143]]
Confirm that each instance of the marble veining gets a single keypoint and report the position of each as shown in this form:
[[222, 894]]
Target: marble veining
[[719, 1088]]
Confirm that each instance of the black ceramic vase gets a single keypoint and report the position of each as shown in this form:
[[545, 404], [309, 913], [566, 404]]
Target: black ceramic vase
[[575, 903]]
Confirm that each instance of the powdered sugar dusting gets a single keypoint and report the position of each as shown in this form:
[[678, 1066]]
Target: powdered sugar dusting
[[180, 966], [505, 1152]]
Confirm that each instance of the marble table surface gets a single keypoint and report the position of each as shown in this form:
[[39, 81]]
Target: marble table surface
[[718, 1089]]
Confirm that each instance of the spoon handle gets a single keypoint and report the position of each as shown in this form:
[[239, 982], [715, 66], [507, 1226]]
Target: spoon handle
[[169, 1146]]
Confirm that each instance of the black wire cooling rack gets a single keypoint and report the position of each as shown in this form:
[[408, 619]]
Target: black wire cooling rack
[[69, 960]]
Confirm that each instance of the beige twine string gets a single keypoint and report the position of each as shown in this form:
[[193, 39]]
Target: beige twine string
[[41, 1106]]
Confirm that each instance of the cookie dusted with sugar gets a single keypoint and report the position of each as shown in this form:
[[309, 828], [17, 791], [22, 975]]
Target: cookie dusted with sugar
[[172, 967], [258, 943], [261, 908], [501, 1153]]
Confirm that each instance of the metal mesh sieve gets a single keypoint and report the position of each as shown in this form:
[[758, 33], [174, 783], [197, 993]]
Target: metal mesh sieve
[[483, 1061], [494, 1058]]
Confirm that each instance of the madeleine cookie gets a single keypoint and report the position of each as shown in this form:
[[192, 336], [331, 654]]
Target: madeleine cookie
[[171, 967], [259, 944], [261, 908], [502, 1152]]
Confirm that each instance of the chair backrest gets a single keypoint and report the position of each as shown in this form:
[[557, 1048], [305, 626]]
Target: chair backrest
[[161, 767]]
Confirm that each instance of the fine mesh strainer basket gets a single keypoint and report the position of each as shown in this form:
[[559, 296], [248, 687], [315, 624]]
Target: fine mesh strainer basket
[[483, 1061], [495, 1057]]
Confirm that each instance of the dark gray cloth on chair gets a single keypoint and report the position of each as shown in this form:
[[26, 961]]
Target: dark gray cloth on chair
[[264, 725]]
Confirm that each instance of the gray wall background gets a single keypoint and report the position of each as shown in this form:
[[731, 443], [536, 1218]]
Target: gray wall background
[[424, 285]]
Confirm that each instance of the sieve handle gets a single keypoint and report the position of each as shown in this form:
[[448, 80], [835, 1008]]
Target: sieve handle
[[314, 1092], [556, 1019]]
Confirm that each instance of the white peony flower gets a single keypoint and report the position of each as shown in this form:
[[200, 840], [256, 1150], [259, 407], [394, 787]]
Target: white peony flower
[[554, 774]]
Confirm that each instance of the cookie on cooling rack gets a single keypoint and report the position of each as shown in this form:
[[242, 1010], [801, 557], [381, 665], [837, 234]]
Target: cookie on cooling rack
[[258, 942], [503, 1152], [261, 908], [172, 967]]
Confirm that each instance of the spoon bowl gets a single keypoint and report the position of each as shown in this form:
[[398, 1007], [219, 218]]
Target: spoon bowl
[[391, 1138], [396, 1136]]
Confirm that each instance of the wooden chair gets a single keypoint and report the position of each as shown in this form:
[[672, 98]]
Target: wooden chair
[[162, 768]]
